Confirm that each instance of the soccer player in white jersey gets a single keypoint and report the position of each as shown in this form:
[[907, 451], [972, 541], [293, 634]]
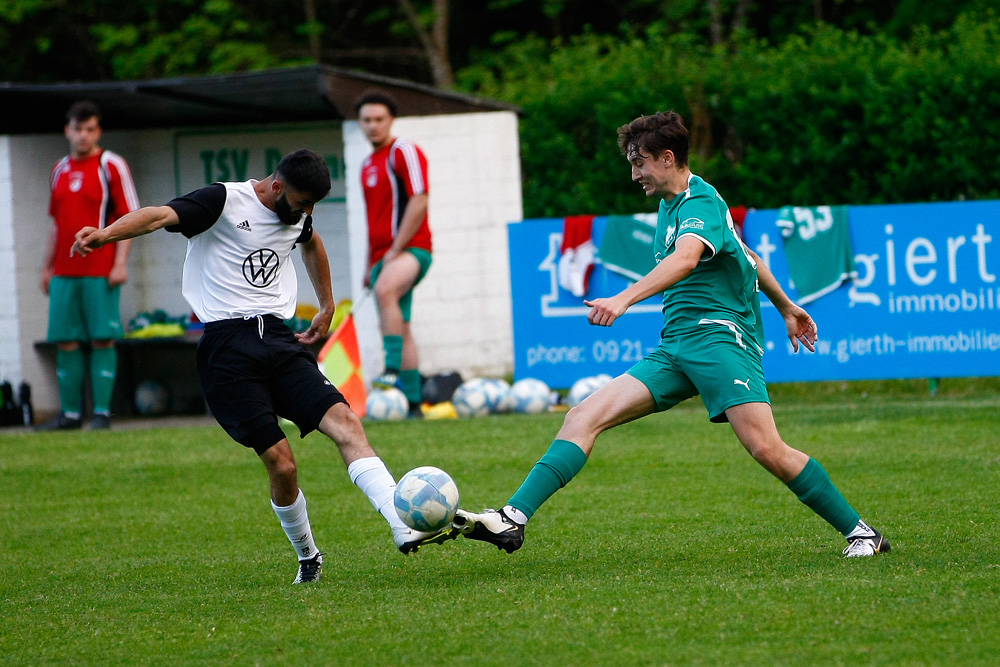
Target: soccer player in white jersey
[[711, 344], [240, 281]]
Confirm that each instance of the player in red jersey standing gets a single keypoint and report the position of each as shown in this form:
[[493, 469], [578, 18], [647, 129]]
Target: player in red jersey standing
[[90, 187], [394, 180]]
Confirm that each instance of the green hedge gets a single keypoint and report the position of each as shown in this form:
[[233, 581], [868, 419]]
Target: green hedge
[[827, 117]]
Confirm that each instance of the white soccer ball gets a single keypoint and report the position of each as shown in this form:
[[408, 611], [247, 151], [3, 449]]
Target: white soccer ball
[[472, 398], [501, 398], [426, 499], [530, 396], [387, 405], [584, 387], [152, 398]]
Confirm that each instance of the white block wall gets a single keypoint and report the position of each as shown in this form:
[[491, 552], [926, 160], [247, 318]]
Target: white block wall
[[462, 309], [30, 163], [10, 335]]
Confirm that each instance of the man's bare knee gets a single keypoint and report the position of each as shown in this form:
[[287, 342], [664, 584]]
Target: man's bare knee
[[579, 423], [383, 292], [286, 469]]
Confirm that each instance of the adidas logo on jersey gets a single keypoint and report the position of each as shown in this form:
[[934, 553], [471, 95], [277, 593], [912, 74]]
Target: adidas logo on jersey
[[245, 226]]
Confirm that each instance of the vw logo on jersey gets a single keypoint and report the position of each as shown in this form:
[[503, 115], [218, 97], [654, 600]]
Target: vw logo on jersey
[[75, 181], [260, 267], [371, 178]]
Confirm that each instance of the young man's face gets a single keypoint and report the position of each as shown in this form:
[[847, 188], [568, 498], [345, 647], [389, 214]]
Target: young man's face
[[652, 172], [83, 136], [376, 123]]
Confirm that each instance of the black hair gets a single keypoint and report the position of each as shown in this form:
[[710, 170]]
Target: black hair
[[83, 110], [373, 96], [307, 172]]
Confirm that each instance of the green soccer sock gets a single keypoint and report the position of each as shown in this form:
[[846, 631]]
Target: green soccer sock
[[412, 385], [814, 488], [393, 346], [69, 375], [103, 368], [558, 465]]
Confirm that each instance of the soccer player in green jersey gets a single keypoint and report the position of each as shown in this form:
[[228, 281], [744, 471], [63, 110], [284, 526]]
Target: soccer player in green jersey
[[711, 344]]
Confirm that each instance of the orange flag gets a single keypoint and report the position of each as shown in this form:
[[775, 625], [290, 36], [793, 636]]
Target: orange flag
[[340, 361]]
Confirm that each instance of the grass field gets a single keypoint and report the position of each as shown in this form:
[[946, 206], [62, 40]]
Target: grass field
[[158, 546]]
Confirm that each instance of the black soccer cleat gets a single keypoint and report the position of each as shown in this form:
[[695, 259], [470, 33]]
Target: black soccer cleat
[[415, 539], [867, 544], [491, 526], [310, 570], [100, 422], [61, 423]]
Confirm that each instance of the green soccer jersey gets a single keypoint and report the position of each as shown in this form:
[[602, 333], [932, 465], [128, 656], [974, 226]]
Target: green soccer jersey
[[722, 290]]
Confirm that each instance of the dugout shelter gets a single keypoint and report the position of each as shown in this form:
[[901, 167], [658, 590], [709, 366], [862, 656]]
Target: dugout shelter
[[181, 134]]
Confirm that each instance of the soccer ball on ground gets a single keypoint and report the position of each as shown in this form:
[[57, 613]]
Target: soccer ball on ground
[[426, 498], [152, 398], [472, 398], [501, 399], [530, 396], [387, 405], [584, 387]]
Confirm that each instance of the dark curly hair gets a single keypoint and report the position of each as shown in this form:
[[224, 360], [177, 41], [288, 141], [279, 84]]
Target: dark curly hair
[[651, 135]]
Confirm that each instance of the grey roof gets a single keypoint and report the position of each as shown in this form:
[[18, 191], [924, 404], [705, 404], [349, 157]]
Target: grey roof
[[308, 93]]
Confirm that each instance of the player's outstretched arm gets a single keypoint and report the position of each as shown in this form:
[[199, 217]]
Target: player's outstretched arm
[[798, 323], [604, 311], [130, 225]]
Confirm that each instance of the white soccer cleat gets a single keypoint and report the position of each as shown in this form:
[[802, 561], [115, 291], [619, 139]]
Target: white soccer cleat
[[868, 543]]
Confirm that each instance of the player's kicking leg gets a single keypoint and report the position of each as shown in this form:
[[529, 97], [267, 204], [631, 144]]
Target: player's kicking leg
[[369, 473], [623, 399]]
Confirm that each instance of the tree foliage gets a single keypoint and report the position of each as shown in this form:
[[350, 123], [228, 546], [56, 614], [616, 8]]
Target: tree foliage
[[421, 40], [828, 116], [826, 101]]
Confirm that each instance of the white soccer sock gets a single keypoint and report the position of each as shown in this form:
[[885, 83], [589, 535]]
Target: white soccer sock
[[861, 530], [515, 515], [373, 478], [295, 521]]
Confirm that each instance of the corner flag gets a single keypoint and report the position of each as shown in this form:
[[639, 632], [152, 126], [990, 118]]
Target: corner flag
[[340, 361]]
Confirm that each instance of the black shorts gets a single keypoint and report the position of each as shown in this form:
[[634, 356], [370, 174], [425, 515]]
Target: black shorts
[[253, 371]]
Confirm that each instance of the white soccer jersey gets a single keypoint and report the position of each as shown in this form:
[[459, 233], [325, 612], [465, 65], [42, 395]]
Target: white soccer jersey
[[238, 261]]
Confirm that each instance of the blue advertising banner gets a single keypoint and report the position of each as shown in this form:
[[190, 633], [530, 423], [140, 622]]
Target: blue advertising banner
[[553, 341], [925, 301]]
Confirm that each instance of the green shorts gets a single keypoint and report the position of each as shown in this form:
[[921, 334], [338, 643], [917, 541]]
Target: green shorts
[[83, 308], [406, 303], [714, 363]]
